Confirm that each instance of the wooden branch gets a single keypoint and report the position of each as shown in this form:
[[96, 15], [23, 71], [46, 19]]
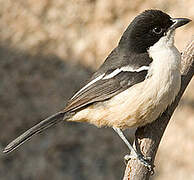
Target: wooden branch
[[147, 138]]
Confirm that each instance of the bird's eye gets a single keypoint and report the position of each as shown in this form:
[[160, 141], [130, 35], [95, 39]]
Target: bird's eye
[[157, 30]]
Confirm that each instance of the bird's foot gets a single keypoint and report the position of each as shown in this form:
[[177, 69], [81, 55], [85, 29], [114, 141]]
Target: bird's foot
[[146, 161]]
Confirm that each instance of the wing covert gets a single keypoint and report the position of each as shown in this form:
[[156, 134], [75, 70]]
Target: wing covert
[[104, 88]]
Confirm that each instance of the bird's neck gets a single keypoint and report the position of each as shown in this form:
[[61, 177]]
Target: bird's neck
[[166, 57]]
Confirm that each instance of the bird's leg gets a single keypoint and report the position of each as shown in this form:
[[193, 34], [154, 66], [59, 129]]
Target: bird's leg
[[134, 154]]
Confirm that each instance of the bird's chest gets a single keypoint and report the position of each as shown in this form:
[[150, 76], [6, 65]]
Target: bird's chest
[[162, 85], [145, 101]]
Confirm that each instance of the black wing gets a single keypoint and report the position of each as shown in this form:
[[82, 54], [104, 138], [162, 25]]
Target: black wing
[[104, 89]]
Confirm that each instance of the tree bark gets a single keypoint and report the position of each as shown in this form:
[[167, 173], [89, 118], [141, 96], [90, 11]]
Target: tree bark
[[147, 138]]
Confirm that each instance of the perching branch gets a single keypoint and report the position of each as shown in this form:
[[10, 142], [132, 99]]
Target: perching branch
[[148, 138]]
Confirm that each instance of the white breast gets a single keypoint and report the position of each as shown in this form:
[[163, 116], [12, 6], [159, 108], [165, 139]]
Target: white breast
[[143, 102]]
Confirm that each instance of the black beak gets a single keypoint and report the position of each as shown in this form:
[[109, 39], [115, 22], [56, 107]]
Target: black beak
[[178, 22]]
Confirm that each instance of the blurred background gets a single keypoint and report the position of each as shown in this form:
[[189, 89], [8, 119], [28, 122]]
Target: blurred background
[[48, 49]]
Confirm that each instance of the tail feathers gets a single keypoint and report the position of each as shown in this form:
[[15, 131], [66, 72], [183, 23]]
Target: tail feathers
[[50, 121]]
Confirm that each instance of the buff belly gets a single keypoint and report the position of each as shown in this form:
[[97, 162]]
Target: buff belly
[[143, 102], [134, 107]]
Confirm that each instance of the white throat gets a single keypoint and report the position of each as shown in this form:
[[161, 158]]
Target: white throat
[[165, 55], [165, 41]]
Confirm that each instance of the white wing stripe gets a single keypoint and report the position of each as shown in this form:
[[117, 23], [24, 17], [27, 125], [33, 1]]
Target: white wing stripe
[[130, 69], [87, 85], [114, 73], [125, 69]]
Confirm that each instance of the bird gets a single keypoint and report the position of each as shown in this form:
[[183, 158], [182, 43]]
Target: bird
[[138, 80]]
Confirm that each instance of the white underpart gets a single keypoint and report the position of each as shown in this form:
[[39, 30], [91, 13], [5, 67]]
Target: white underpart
[[145, 101], [89, 84], [125, 69]]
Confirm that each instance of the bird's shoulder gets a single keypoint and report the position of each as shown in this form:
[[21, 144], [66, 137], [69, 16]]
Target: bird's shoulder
[[120, 58], [119, 71]]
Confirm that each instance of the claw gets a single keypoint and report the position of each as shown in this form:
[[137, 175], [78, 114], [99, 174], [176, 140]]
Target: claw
[[134, 155], [145, 161]]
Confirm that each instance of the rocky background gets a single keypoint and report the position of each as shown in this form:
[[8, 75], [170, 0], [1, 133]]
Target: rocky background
[[48, 49]]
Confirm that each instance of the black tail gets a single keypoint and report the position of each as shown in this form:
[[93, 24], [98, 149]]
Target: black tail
[[50, 121]]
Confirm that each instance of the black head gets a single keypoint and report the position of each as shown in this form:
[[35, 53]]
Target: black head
[[147, 28]]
